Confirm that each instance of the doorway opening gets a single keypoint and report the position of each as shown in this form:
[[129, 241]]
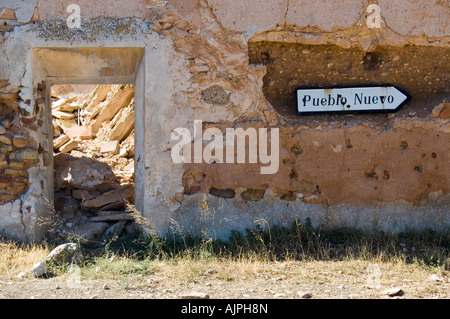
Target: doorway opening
[[93, 147], [92, 121]]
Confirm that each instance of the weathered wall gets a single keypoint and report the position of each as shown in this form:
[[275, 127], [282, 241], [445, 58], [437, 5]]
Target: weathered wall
[[235, 64]]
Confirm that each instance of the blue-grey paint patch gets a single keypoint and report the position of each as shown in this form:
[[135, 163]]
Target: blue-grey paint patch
[[223, 216]]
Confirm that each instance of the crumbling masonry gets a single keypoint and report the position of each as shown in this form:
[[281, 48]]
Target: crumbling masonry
[[230, 64]]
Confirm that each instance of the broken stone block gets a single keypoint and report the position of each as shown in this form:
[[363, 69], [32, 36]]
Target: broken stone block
[[89, 233], [290, 196], [39, 269], [69, 146], [120, 99], [440, 110], [16, 172], [25, 154], [124, 125], [120, 194], [128, 144], [129, 167], [3, 164], [60, 141], [20, 141], [199, 69], [59, 102], [56, 131], [65, 124], [6, 124], [5, 140], [131, 228], [82, 173], [123, 152], [253, 194], [82, 194], [69, 107], [83, 132], [66, 253], [113, 231], [303, 187], [63, 115], [110, 147], [117, 205], [97, 95], [111, 216], [66, 206], [224, 193]]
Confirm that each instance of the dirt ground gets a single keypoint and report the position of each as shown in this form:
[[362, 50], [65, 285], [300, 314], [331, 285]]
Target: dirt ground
[[278, 280]]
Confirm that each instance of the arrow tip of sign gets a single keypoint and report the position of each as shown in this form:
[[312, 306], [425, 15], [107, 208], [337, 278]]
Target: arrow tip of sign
[[406, 96]]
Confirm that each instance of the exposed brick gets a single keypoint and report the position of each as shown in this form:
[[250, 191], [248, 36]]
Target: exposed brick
[[3, 164], [16, 188], [28, 120], [41, 86], [24, 154], [5, 140], [14, 129], [40, 101], [16, 172], [16, 165], [6, 123], [5, 149], [20, 179], [5, 179], [20, 141], [8, 97]]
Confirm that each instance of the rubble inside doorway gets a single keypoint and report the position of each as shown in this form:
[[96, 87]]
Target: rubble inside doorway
[[93, 144]]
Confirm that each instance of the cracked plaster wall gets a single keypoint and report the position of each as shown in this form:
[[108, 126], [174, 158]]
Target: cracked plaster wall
[[193, 45]]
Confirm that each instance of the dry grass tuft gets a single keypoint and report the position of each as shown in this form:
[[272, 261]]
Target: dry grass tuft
[[16, 258]]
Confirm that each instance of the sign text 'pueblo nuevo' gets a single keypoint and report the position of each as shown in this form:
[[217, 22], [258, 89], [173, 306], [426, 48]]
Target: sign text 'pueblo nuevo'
[[355, 99]]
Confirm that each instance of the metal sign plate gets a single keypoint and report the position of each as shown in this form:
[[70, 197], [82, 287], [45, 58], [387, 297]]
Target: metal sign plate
[[349, 100]]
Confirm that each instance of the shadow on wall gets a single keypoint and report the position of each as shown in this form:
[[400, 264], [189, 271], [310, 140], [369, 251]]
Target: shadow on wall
[[421, 71], [89, 200]]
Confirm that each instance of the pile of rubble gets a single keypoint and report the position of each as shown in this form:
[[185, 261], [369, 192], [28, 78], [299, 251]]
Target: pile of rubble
[[93, 160], [98, 125]]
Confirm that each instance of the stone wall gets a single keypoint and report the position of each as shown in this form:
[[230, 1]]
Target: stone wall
[[235, 64]]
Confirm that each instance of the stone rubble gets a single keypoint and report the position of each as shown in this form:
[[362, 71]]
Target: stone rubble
[[93, 160], [68, 253]]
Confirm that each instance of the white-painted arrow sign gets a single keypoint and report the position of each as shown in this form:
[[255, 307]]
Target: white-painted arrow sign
[[353, 99]]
